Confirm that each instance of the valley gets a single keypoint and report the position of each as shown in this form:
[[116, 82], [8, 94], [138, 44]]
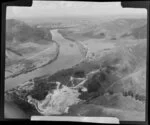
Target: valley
[[107, 59]]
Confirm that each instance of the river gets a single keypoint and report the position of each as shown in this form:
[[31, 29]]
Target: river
[[69, 55]]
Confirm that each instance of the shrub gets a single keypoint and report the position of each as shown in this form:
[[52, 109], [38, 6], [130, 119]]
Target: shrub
[[79, 73]]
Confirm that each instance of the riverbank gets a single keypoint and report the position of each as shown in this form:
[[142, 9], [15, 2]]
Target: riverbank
[[39, 60], [67, 57], [112, 99], [116, 78]]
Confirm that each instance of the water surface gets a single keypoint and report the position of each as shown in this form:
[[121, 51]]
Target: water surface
[[68, 56]]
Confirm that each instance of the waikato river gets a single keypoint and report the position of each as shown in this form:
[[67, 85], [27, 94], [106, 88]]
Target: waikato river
[[68, 56]]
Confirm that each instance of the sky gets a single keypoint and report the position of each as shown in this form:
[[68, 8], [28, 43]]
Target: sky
[[70, 8]]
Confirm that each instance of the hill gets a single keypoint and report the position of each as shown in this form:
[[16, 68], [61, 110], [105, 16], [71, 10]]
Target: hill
[[105, 30], [22, 32], [121, 78], [27, 47], [115, 77]]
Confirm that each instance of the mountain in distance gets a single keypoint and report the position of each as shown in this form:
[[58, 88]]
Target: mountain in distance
[[119, 26], [108, 29]]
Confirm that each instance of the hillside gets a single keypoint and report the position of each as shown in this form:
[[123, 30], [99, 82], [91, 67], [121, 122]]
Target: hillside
[[22, 32], [105, 30], [113, 72], [27, 47], [118, 88]]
